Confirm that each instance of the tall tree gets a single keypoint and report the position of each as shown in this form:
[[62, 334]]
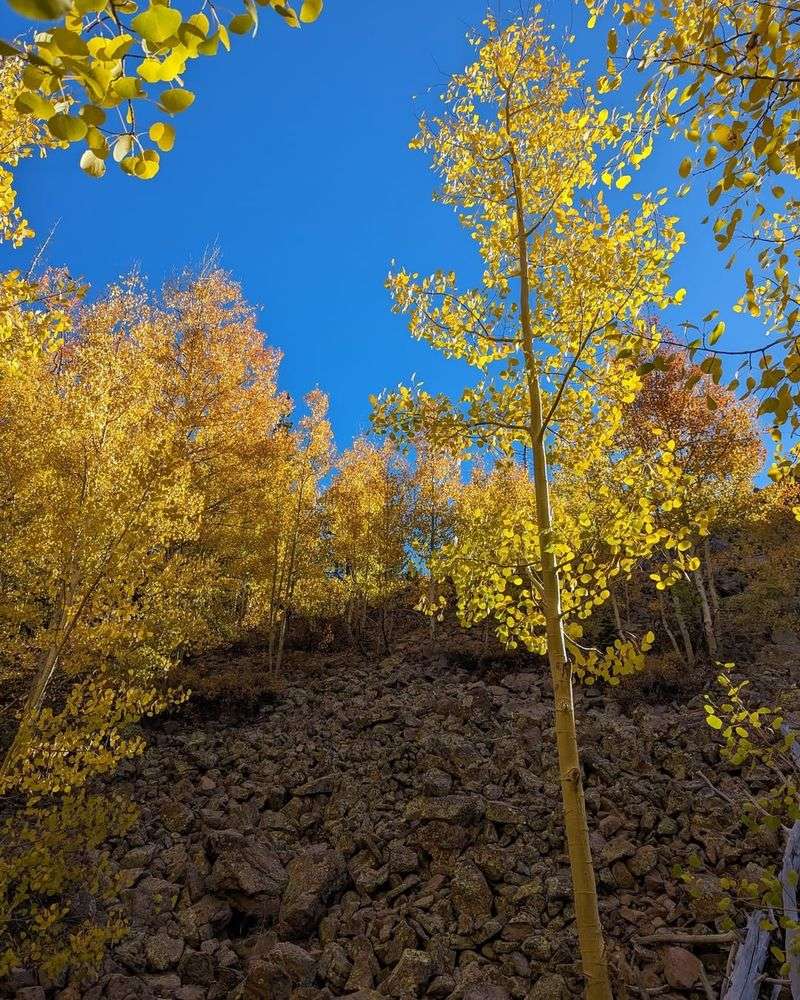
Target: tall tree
[[565, 280]]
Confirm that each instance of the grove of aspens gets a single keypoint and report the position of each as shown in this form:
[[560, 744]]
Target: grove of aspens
[[495, 698]]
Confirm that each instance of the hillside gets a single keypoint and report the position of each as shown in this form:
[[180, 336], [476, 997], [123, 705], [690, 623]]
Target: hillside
[[391, 827]]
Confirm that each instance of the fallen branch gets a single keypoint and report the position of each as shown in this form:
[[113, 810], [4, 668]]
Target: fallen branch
[[684, 937], [750, 958]]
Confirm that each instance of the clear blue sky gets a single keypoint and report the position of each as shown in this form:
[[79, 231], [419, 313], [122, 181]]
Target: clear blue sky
[[293, 162]]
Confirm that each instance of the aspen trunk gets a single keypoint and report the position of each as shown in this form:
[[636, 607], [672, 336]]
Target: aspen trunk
[[665, 622], [708, 619], [687, 640], [712, 587], [617, 618], [36, 697], [584, 887]]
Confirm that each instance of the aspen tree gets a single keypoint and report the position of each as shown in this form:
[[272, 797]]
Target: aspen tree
[[518, 148], [367, 514]]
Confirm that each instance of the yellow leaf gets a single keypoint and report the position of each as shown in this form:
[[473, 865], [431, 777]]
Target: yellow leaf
[[311, 10], [163, 135], [157, 23]]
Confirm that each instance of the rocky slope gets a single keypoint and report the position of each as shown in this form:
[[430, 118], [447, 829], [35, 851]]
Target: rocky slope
[[394, 828]]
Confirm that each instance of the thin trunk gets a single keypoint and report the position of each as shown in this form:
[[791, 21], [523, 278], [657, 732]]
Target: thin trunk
[[687, 641], [708, 619], [665, 622], [281, 641], [587, 915], [712, 587], [617, 618], [33, 704]]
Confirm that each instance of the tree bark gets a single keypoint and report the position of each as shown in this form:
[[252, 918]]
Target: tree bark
[[584, 888], [665, 622], [687, 639], [617, 617], [708, 562], [708, 618]]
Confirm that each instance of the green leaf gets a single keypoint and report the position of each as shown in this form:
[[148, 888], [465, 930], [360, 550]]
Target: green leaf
[[175, 100], [66, 128], [714, 721], [41, 10], [92, 164], [157, 23], [310, 11]]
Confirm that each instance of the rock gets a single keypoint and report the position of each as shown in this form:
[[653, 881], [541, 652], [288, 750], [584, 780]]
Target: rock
[[177, 818], [502, 812], [334, 965], [459, 809], [617, 850], [365, 966], [196, 968], [251, 877], [409, 977], [163, 951], [313, 877], [786, 639], [266, 979], [521, 683], [550, 986], [644, 861], [317, 786], [681, 968], [485, 991], [402, 859], [295, 962], [471, 896], [436, 782]]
